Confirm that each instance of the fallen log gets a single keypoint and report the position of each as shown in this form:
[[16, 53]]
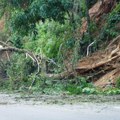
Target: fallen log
[[108, 79], [95, 65], [60, 76]]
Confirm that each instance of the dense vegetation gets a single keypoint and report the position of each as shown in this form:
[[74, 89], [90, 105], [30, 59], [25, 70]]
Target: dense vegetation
[[50, 29]]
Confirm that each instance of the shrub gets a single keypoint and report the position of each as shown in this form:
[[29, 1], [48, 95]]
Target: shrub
[[80, 87], [50, 36], [18, 71], [110, 28]]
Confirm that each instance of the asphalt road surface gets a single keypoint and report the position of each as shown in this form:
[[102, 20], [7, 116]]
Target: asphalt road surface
[[60, 112]]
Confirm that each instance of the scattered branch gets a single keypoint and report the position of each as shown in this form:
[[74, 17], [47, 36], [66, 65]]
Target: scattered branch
[[88, 48]]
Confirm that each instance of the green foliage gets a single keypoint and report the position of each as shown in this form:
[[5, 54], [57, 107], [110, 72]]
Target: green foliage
[[113, 20], [24, 14], [43, 26], [81, 86], [114, 16], [45, 85], [16, 40], [38, 10], [110, 31], [113, 91], [88, 90], [3, 7], [20, 3], [19, 22], [18, 71], [56, 88], [50, 36]]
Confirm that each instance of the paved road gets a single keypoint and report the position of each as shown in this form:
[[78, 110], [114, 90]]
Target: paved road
[[56, 112]]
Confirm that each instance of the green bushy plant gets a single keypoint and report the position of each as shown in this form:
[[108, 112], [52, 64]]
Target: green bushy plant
[[82, 86], [18, 71], [88, 90], [110, 30], [113, 91], [50, 36]]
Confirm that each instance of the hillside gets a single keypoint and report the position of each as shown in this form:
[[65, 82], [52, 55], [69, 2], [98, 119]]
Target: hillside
[[71, 43]]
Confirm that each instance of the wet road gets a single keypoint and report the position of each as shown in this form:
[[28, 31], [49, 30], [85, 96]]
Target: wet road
[[57, 112]]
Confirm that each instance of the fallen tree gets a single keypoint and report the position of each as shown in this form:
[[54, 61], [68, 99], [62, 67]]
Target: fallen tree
[[100, 65], [27, 53]]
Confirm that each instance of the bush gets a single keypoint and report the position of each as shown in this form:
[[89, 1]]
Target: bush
[[50, 36], [18, 71], [110, 30], [80, 87], [112, 91]]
